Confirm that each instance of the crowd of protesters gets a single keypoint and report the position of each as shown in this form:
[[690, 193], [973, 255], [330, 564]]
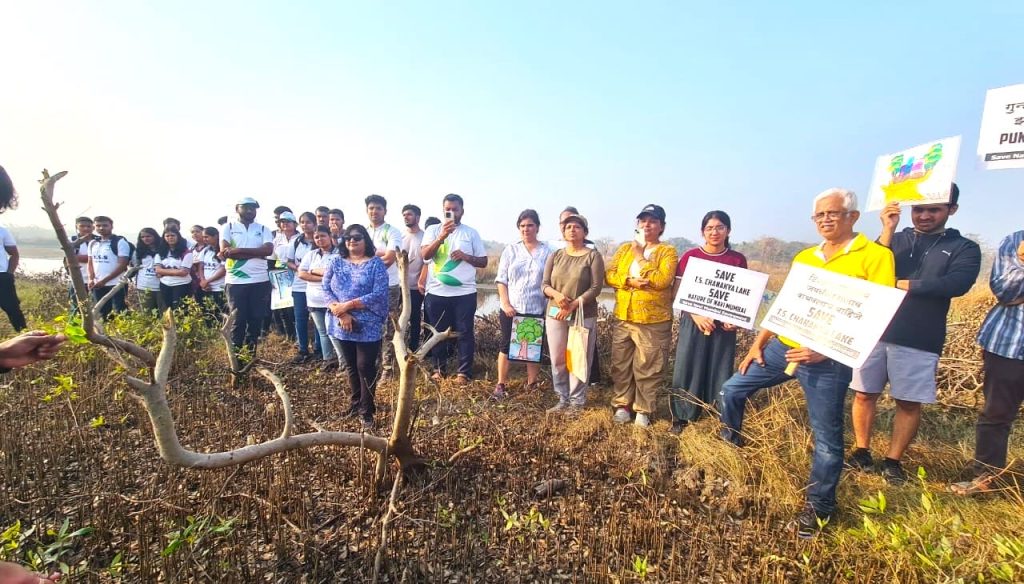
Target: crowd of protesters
[[346, 281]]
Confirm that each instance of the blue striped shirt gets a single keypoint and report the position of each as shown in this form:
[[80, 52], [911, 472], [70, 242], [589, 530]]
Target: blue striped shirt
[[522, 272], [1002, 333]]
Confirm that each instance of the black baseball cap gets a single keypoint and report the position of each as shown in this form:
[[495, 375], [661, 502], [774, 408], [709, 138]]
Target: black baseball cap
[[656, 211]]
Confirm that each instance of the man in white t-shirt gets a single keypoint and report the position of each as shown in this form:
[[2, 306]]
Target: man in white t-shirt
[[387, 239], [412, 239], [8, 294], [108, 259], [245, 246], [84, 228], [455, 252]]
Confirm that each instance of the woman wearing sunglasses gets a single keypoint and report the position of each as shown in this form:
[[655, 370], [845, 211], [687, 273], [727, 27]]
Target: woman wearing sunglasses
[[356, 289]]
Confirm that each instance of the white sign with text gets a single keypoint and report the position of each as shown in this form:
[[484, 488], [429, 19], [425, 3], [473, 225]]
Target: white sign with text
[[836, 315], [1001, 144], [725, 293]]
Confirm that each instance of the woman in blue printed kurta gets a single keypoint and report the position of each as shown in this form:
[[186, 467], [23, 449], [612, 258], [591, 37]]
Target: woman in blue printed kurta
[[356, 288]]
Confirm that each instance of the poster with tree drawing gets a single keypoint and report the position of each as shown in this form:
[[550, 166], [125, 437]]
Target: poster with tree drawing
[[527, 338]]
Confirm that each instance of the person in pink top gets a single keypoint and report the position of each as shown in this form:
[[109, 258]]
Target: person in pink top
[[706, 348]]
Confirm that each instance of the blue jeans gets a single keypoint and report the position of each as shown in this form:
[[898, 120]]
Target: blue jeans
[[459, 313], [326, 341], [824, 386], [301, 322]]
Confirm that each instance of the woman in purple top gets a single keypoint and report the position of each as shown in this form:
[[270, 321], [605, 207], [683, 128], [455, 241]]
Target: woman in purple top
[[706, 348], [356, 289]]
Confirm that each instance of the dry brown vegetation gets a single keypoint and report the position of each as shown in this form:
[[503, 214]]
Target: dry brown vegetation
[[636, 505]]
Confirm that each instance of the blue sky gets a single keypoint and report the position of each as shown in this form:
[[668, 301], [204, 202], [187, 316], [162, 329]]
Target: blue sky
[[179, 108]]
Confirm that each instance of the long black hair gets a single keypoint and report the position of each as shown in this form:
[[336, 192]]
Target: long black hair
[[212, 232], [721, 216], [144, 251], [8, 196], [178, 251], [354, 229]]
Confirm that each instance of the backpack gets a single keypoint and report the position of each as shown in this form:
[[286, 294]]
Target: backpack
[[115, 240]]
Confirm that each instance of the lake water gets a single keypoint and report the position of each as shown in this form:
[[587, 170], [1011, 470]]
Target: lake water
[[36, 266]]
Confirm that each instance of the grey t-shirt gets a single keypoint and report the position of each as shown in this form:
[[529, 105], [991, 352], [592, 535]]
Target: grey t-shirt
[[576, 277]]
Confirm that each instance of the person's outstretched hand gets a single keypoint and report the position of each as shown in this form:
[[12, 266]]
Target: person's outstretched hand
[[27, 348], [15, 574]]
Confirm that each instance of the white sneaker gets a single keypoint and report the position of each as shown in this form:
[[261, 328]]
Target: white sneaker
[[621, 416], [558, 408], [642, 420]]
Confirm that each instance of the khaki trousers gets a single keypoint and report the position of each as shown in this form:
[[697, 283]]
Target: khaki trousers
[[639, 356]]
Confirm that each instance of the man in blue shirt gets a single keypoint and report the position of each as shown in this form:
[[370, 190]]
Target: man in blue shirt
[[1002, 339]]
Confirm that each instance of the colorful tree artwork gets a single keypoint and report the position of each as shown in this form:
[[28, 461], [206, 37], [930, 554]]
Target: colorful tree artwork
[[527, 338], [919, 175]]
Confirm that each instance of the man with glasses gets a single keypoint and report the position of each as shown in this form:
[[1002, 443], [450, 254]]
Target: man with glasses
[[934, 265], [823, 380]]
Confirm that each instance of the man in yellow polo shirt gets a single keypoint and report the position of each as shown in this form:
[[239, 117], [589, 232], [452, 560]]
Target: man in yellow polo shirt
[[824, 381]]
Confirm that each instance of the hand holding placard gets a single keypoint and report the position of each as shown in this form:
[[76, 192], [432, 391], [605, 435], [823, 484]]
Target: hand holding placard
[[837, 316]]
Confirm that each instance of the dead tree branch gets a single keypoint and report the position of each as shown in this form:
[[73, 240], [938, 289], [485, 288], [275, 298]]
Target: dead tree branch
[[94, 335]]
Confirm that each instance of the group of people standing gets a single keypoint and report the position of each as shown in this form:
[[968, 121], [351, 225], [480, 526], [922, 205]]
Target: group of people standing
[[351, 273]]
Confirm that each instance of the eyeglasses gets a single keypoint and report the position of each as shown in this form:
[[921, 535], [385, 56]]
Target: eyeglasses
[[715, 228], [830, 215], [353, 238]]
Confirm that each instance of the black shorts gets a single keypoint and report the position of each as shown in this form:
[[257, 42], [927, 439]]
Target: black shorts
[[506, 331]]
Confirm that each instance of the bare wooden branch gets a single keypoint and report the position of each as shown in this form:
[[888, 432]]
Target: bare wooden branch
[[378, 560], [46, 189], [286, 400], [121, 283], [237, 368], [462, 452]]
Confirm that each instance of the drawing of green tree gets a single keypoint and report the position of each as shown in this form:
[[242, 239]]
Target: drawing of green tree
[[528, 331]]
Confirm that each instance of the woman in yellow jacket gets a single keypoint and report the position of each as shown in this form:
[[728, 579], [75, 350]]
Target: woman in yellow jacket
[[641, 272]]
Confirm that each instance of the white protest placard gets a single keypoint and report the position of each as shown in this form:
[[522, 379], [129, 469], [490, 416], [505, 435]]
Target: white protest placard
[[281, 289], [922, 175], [721, 292], [836, 315], [1001, 144]]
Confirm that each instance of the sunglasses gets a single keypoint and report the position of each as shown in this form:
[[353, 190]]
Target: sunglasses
[[353, 238]]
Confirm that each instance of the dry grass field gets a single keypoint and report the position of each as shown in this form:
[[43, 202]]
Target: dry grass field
[[81, 483]]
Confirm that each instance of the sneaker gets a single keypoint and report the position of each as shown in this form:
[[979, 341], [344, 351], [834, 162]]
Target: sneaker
[[328, 365], [860, 460], [642, 420], [558, 408], [462, 379], [367, 424], [893, 473], [299, 359], [621, 416], [809, 522], [499, 392], [677, 427]]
